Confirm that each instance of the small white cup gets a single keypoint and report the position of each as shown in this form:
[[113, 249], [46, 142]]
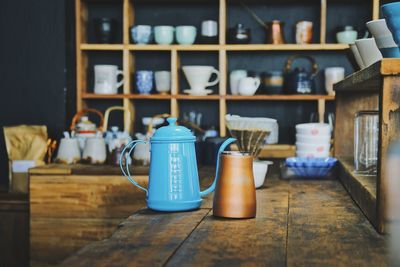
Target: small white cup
[[95, 150], [332, 76], [369, 51], [381, 33], [163, 81], [68, 151], [248, 86], [357, 56], [234, 79], [209, 28]]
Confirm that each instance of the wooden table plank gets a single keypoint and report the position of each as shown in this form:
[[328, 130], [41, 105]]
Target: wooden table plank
[[327, 229], [146, 238]]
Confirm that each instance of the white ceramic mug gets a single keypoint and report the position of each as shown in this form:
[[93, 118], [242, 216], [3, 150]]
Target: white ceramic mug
[[198, 77], [369, 52], [95, 150], [105, 79], [248, 86], [381, 33], [332, 76], [68, 151], [163, 81], [209, 28], [357, 56], [234, 79]]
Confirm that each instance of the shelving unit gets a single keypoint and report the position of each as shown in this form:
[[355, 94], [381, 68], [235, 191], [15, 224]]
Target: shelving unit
[[373, 88], [222, 49]]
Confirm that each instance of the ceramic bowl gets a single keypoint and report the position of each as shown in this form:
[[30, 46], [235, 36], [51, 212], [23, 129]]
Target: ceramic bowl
[[313, 129], [319, 139], [260, 169], [391, 12], [346, 37], [312, 154], [311, 168], [369, 52], [318, 148]]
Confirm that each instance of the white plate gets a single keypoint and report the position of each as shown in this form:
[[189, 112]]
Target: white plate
[[198, 93]]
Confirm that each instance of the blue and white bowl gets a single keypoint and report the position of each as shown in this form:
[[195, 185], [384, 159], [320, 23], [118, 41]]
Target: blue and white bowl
[[144, 81], [141, 34], [311, 167]]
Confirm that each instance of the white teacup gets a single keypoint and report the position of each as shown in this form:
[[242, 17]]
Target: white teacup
[[95, 150], [198, 77], [105, 79], [381, 33], [68, 151], [357, 56], [234, 79], [369, 51], [163, 81], [332, 76], [248, 86]]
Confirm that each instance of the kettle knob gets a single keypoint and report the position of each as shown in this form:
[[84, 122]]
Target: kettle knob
[[171, 121]]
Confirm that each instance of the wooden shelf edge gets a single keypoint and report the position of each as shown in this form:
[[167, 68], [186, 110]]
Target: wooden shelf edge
[[215, 47], [360, 188], [212, 97], [370, 78]]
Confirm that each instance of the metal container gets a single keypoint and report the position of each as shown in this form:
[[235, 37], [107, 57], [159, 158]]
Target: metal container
[[235, 193]]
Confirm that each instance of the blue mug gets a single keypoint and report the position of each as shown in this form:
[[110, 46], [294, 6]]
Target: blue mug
[[141, 34], [144, 81], [391, 12]]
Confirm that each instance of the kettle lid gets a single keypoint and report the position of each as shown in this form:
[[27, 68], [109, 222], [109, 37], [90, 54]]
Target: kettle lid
[[173, 132]]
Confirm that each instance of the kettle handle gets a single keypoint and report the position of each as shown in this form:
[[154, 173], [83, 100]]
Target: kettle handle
[[289, 61], [127, 118], [127, 174], [78, 115], [221, 149]]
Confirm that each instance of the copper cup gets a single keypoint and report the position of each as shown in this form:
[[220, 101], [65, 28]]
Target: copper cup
[[274, 32], [235, 193]]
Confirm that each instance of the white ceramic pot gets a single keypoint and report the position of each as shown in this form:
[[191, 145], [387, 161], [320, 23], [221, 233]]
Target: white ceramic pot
[[319, 139], [95, 150], [260, 169], [369, 52], [313, 129], [163, 81], [315, 148], [68, 151]]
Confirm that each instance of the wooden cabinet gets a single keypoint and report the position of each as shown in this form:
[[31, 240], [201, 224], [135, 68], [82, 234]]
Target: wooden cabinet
[[374, 88]]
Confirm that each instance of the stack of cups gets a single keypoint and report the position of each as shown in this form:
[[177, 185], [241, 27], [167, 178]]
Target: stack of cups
[[313, 140]]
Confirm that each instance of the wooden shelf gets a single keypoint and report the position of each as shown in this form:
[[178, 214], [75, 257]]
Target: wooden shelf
[[363, 189], [212, 97], [102, 47], [126, 96], [281, 97], [216, 47], [370, 78]]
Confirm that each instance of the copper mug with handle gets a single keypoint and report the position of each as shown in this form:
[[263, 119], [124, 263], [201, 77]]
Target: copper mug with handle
[[235, 193]]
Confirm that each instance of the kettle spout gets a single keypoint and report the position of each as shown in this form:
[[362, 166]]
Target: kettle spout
[[221, 149]]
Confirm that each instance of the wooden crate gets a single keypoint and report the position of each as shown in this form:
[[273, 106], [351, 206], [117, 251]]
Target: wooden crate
[[71, 206]]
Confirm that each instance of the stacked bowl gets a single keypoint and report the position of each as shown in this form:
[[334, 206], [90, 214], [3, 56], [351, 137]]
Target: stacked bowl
[[313, 140]]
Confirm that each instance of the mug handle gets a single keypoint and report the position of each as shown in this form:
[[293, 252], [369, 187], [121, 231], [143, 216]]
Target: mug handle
[[121, 82], [216, 72], [127, 174]]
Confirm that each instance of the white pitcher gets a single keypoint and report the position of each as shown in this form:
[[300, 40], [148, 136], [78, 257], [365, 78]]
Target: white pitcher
[[248, 86]]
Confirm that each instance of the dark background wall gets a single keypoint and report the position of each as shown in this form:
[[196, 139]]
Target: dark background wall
[[33, 66]]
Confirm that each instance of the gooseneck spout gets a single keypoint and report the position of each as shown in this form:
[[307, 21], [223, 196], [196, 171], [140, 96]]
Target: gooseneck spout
[[221, 149]]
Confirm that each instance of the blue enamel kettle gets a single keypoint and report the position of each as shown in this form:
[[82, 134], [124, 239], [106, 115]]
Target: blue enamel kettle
[[173, 179]]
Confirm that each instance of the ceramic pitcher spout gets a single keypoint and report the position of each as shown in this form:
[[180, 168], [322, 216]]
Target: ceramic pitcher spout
[[221, 149]]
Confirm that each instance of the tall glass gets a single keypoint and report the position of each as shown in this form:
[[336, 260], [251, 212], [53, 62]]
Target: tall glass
[[366, 134]]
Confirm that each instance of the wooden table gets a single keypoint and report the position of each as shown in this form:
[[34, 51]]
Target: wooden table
[[298, 223]]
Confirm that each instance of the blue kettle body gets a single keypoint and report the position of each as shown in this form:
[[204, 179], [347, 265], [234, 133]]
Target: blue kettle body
[[173, 177]]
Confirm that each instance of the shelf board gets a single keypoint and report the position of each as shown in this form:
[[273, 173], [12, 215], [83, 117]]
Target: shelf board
[[216, 47], [101, 47], [127, 96], [362, 189], [281, 97], [370, 78], [212, 97]]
